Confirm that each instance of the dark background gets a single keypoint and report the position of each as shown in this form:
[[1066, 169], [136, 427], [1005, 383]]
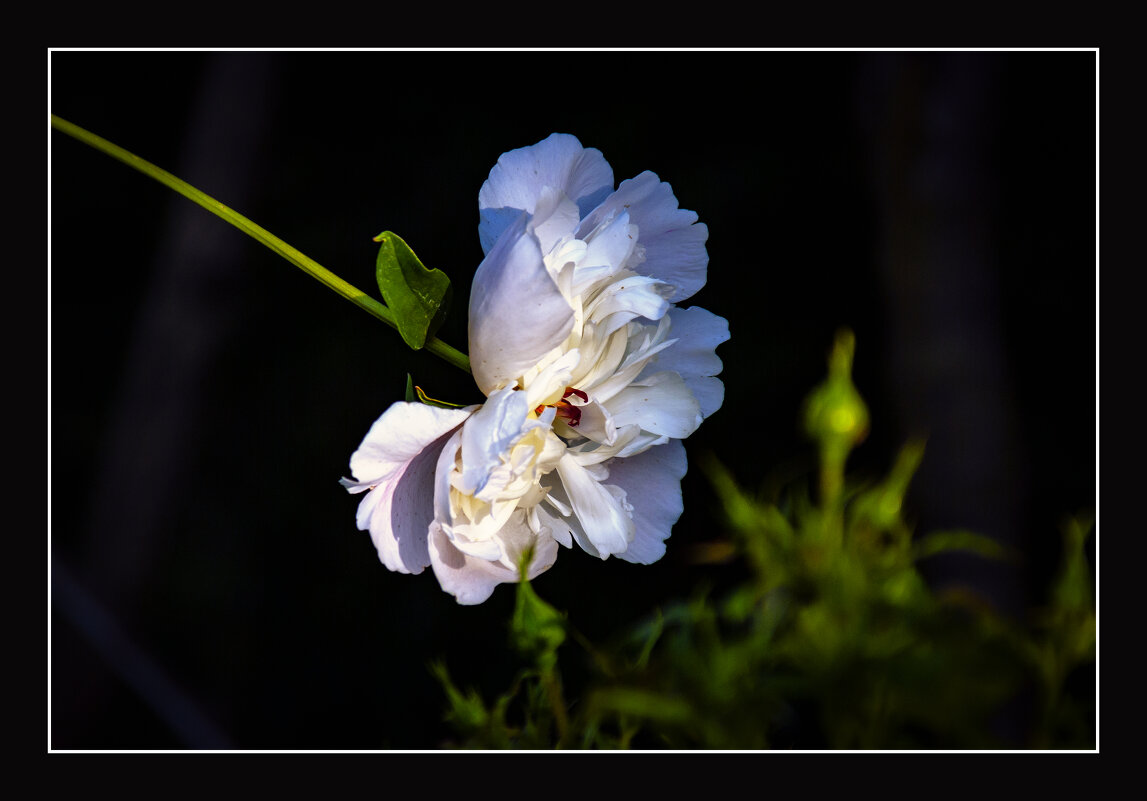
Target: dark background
[[209, 588]]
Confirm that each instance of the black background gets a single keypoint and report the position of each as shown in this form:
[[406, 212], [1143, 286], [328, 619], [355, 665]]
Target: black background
[[209, 588]]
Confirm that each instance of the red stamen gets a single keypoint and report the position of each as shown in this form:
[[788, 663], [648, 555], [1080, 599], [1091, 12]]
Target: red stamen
[[566, 410], [570, 413]]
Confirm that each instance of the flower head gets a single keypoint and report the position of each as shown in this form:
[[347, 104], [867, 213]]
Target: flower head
[[592, 377]]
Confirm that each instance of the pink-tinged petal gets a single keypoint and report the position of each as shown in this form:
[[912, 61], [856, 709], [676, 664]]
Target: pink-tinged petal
[[693, 356], [397, 436], [472, 580], [396, 463], [517, 180], [671, 238], [398, 522], [517, 312], [652, 483]]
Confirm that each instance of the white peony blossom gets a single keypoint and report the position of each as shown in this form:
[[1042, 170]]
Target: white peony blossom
[[592, 374]]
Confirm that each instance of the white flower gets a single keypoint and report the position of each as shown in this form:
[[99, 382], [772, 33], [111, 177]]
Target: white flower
[[592, 375]]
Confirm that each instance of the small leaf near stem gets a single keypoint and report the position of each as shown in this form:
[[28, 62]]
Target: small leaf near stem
[[419, 297]]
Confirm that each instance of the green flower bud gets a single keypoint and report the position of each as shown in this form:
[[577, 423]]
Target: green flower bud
[[835, 415]]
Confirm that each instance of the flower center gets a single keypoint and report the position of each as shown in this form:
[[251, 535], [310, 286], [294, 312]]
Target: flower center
[[566, 410]]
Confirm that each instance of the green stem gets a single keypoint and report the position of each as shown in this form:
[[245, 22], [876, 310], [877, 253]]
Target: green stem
[[553, 687], [303, 262]]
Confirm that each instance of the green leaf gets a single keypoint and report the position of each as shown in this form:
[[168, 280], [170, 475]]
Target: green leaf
[[466, 709], [418, 297]]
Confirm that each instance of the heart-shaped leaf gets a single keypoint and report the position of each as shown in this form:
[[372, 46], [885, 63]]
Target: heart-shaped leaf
[[418, 297]]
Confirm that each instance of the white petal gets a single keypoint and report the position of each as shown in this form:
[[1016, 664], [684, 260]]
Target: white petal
[[652, 482], [628, 441], [559, 516], [469, 579], [517, 312], [641, 344], [672, 239], [607, 252], [447, 458], [517, 536], [709, 392], [625, 299], [698, 333], [661, 404], [488, 435], [603, 356], [602, 510], [552, 521], [596, 424], [517, 180], [454, 523], [640, 443], [547, 382], [396, 461], [472, 580], [555, 218]]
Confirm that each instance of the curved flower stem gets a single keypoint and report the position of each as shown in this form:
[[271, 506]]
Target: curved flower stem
[[295, 257]]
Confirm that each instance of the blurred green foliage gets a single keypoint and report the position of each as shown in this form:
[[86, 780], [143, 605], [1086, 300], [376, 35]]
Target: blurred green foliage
[[833, 641]]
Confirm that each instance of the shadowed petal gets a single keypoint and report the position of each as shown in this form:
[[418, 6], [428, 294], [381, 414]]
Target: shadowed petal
[[698, 333], [672, 239], [395, 466], [652, 483], [517, 180], [517, 312]]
